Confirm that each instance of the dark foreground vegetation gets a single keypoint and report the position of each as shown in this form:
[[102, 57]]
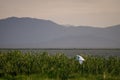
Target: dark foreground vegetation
[[16, 65]]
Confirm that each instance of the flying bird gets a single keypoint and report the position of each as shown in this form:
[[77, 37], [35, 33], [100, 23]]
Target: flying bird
[[80, 59]]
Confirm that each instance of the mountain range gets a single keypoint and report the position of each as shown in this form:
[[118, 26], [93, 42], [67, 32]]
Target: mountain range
[[38, 33]]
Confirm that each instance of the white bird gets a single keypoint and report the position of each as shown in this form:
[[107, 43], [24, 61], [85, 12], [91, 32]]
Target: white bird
[[80, 59]]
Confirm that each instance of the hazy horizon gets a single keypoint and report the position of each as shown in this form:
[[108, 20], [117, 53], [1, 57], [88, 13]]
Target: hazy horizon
[[66, 25], [97, 13], [36, 33]]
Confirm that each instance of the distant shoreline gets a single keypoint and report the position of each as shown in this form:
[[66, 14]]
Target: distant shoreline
[[59, 48]]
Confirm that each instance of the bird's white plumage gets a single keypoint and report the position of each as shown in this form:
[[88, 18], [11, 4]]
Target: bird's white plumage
[[80, 59]]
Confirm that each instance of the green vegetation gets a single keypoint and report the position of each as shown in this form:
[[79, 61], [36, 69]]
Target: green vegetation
[[16, 65]]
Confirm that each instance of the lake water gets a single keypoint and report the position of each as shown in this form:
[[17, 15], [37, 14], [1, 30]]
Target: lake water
[[69, 51]]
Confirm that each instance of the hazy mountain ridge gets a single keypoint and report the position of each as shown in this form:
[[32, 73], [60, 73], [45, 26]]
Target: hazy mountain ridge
[[31, 33]]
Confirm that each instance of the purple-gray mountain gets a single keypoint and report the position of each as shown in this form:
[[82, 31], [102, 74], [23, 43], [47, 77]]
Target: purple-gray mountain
[[38, 33]]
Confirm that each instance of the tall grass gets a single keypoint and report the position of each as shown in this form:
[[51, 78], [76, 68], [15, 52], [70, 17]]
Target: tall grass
[[15, 64]]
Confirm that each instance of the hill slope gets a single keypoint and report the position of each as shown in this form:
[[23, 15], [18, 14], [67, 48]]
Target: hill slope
[[38, 33]]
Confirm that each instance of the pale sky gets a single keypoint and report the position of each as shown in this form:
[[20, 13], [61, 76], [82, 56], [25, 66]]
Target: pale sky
[[97, 13]]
